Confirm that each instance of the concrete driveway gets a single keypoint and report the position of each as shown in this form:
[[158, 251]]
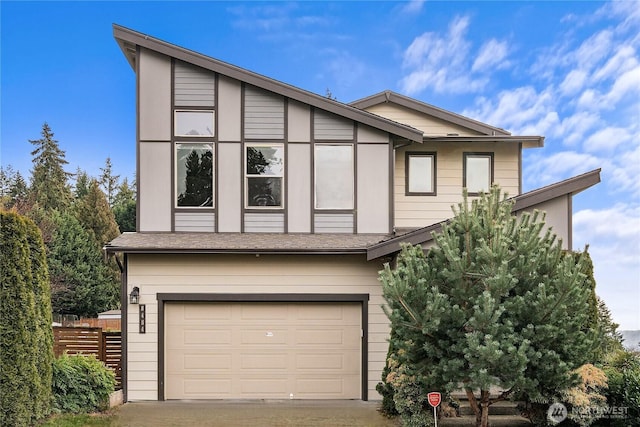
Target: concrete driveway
[[256, 413]]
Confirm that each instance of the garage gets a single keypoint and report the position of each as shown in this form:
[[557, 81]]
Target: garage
[[263, 350]]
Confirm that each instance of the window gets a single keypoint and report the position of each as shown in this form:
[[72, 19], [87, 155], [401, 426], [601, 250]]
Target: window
[[197, 123], [194, 175], [334, 176], [478, 172], [264, 172], [420, 173]]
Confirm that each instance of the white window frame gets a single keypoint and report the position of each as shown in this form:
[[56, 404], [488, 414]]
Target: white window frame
[[280, 175], [475, 188], [351, 185], [209, 145], [420, 174], [177, 124]]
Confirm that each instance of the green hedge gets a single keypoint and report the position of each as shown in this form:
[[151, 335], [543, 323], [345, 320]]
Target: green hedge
[[81, 384]]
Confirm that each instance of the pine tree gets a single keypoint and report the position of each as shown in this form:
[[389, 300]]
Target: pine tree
[[83, 181], [108, 181], [94, 213], [496, 302], [124, 207], [49, 187]]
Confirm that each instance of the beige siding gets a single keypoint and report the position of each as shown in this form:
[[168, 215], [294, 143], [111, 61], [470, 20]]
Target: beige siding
[[420, 211], [299, 123], [558, 218], [373, 188], [245, 274], [229, 183], [154, 183], [267, 222], [428, 124], [229, 101], [154, 100], [299, 188]]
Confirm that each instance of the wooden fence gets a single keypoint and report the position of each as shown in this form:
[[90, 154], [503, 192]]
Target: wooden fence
[[106, 346]]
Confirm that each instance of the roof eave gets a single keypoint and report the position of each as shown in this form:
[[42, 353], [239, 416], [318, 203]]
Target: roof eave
[[527, 141], [524, 201], [214, 251], [414, 104], [125, 35]]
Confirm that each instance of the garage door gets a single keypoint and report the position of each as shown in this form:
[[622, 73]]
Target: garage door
[[262, 351]]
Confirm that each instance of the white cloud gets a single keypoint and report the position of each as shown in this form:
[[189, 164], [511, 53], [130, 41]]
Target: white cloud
[[413, 6], [573, 128], [440, 62], [492, 55], [573, 82], [543, 168], [607, 139], [613, 235], [624, 176]]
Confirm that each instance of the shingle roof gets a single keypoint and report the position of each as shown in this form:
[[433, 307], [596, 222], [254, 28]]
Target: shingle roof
[[243, 243]]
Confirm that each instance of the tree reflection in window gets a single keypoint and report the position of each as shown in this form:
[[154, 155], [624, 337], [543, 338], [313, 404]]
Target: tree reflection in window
[[194, 175], [264, 174]]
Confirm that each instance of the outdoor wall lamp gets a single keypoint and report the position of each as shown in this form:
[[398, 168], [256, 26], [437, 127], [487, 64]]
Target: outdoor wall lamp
[[134, 296]]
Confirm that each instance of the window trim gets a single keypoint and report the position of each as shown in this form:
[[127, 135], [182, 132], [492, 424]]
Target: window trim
[[246, 176], [211, 145], [353, 177], [434, 174], [176, 111], [466, 155]]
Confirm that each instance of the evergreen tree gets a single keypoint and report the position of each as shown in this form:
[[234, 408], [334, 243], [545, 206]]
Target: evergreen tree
[[13, 189], [25, 337], [108, 181], [49, 187], [83, 181], [496, 302], [94, 213], [124, 207], [81, 283]]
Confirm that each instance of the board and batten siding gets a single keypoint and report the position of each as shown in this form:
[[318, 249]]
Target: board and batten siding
[[263, 114], [193, 86], [421, 211], [246, 274]]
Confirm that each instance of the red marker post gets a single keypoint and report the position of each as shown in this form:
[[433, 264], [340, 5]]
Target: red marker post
[[434, 399]]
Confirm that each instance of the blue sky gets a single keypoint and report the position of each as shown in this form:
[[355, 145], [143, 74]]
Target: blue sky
[[567, 70]]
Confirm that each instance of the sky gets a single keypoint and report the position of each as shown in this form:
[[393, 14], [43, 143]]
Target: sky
[[569, 71]]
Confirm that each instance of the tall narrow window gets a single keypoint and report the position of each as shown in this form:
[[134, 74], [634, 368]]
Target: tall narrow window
[[264, 173], [194, 175], [420, 173], [334, 176], [478, 172]]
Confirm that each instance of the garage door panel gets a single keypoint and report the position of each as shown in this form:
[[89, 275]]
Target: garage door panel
[[262, 350]]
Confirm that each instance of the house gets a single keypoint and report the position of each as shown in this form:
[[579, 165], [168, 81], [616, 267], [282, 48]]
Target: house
[[264, 215]]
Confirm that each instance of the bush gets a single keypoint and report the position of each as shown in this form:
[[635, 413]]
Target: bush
[[81, 384], [623, 372]]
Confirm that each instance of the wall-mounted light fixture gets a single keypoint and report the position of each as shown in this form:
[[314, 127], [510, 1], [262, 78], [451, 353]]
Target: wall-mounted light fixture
[[134, 296]]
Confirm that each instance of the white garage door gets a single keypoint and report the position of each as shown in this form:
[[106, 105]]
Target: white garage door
[[262, 350]]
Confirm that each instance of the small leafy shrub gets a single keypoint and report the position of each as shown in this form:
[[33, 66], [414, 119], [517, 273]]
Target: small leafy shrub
[[623, 372], [409, 394], [586, 401], [81, 384]]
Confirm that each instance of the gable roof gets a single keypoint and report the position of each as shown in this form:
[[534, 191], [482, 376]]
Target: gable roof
[[128, 40], [428, 109], [524, 201]]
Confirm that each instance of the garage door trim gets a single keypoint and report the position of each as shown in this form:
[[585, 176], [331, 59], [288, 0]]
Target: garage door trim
[[363, 299]]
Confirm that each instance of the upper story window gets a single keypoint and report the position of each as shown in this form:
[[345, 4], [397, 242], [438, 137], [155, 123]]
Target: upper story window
[[194, 175], [264, 173], [478, 172], [334, 176], [420, 174], [197, 123]]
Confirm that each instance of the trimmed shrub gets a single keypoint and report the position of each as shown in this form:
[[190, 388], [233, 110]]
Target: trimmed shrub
[[623, 373], [26, 339], [81, 384]]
